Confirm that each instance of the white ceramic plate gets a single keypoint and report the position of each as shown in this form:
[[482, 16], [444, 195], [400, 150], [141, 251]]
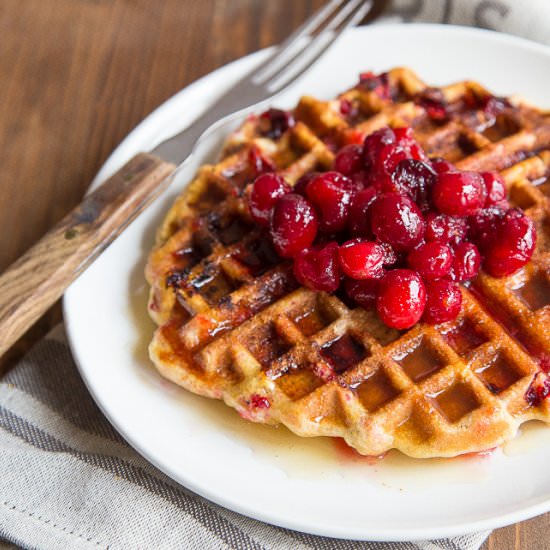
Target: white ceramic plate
[[268, 473]]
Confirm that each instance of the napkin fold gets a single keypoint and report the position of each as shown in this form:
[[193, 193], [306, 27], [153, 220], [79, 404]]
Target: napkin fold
[[528, 18], [70, 481]]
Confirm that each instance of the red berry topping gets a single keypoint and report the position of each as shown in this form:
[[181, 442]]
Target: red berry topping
[[431, 260], [360, 180], [444, 301], [274, 123], [538, 390], [359, 218], [447, 229], [376, 196], [363, 292], [293, 225], [349, 160], [513, 244], [492, 106], [259, 401], [441, 165], [435, 104], [374, 143], [483, 226], [266, 191], [301, 184], [414, 178], [317, 268], [382, 152], [401, 298], [398, 221], [459, 193], [404, 138], [331, 193], [259, 164], [345, 106], [384, 166], [496, 189], [379, 84], [466, 262], [360, 259], [390, 257]]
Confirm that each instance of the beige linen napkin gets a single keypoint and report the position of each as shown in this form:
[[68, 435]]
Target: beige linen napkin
[[70, 481]]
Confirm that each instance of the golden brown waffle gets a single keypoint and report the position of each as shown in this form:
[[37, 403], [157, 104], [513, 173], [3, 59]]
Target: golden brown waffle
[[235, 325]]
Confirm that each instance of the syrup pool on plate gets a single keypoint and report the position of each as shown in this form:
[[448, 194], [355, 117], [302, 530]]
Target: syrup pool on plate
[[531, 436], [320, 458]]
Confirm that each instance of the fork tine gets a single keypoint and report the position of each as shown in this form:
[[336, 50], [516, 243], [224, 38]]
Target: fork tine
[[316, 47], [337, 18], [315, 21]]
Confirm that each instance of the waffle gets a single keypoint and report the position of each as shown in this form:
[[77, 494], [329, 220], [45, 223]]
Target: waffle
[[235, 325]]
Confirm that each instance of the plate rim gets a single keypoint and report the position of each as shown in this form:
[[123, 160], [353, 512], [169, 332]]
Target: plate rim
[[120, 154]]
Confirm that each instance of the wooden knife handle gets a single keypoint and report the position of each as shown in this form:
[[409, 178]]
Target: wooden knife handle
[[36, 280]]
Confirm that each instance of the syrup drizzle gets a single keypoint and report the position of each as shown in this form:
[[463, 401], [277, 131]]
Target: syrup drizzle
[[535, 293], [499, 316]]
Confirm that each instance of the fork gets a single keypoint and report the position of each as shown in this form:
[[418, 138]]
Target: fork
[[39, 277]]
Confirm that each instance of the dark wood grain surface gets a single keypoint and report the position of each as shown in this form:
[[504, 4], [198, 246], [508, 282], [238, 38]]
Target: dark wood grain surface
[[77, 75]]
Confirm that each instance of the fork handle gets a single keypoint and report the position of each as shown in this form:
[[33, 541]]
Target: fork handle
[[38, 278]]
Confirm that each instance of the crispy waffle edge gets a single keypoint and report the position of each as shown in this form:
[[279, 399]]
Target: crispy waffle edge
[[252, 337]]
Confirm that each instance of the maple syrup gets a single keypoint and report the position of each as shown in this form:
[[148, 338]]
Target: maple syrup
[[455, 402], [343, 353], [535, 293], [420, 363], [376, 390]]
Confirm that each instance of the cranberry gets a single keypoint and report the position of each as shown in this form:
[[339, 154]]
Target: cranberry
[[459, 193], [293, 225], [258, 163], [331, 193], [360, 259], [301, 184], [414, 178], [436, 111], [496, 189], [346, 107], [317, 268], [443, 302], [441, 165], [374, 143], [404, 138], [349, 160], [355, 136], [359, 218], [384, 150], [447, 229], [398, 221], [384, 166], [483, 226], [513, 244], [492, 106], [274, 123], [363, 292], [390, 257], [266, 191], [431, 260], [466, 262], [379, 84], [538, 390], [434, 103], [258, 401], [360, 180], [401, 298]]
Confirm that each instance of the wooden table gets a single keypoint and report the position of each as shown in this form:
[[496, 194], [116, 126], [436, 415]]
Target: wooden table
[[78, 75]]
